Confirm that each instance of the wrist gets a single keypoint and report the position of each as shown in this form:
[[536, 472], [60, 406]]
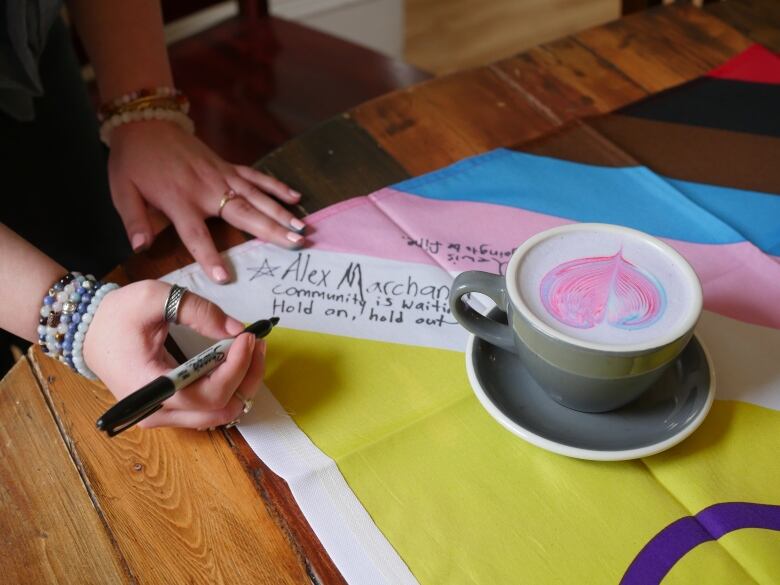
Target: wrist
[[165, 104], [65, 315]]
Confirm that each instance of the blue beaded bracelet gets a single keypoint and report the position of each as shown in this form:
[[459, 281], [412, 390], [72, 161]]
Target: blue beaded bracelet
[[67, 311], [58, 309], [82, 326]]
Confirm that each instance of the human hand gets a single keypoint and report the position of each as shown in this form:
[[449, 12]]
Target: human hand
[[155, 165], [124, 348]]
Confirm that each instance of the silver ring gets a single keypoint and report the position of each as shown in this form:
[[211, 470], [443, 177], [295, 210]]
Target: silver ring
[[248, 403], [171, 310]]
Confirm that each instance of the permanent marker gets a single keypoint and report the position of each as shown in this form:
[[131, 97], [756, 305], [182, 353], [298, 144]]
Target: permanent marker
[[144, 402]]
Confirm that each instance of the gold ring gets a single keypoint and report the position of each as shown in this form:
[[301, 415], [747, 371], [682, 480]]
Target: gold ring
[[227, 197]]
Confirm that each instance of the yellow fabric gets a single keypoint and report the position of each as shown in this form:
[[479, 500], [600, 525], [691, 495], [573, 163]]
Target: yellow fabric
[[464, 501]]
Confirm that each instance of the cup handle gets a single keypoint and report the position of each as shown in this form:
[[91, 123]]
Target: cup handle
[[483, 327]]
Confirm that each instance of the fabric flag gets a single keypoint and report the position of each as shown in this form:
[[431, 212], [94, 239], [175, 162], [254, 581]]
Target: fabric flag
[[370, 417]]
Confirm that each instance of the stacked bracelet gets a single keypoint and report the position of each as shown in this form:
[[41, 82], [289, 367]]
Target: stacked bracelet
[[60, 308], [154, 95], [65, 317], [78, 363], [161, 103]]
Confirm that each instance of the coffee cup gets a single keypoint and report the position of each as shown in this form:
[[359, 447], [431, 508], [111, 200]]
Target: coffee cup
[[596, 312]]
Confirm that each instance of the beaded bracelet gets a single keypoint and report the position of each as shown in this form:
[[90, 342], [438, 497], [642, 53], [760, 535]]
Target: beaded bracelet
[[60, 307], [79, 364], [161, 103], [67, 311], [179, 118], [146, 95]]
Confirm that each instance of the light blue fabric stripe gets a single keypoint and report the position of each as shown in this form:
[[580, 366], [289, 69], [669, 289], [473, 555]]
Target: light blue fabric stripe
[[753, 214], [631, 196]]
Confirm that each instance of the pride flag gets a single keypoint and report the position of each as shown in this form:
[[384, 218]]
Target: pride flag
[[403, 475]]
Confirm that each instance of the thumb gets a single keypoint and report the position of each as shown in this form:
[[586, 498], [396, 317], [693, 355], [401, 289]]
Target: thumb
[[207, 318], [132, 210]]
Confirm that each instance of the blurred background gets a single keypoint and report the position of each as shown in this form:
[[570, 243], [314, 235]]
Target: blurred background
[[437, 36]]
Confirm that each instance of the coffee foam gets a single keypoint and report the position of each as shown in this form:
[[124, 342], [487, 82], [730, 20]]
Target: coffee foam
[[605, 287]]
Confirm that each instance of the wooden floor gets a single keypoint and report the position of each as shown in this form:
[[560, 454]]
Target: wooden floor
[[448, 35]]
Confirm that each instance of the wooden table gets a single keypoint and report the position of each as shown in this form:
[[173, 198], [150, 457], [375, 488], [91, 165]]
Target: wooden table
[[171, 506]]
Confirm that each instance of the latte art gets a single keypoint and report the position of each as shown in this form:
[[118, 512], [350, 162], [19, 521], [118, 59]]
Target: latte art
[[604, 286], [585, 292]]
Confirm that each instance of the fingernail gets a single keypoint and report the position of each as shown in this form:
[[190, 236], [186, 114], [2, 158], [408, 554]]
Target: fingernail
[[220, 274], [297, 225], [295, 194], [295, 238], [138, 242], [233, 326], [263, 346]]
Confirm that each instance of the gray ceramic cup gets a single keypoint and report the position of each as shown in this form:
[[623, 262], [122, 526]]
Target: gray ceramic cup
[[580, 374]]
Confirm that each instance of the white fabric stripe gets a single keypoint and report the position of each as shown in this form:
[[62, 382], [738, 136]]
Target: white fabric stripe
[[744, 357], [357, 547]]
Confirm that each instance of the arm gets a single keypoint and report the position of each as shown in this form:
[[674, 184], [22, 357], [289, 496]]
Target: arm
[[27, 273], [125, 43], [154, 164], [124, 344]]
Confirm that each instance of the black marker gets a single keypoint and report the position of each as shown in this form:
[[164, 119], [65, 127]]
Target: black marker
[[142, 403]]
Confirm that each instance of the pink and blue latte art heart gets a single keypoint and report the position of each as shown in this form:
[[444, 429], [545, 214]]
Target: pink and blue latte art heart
[[586, 292]]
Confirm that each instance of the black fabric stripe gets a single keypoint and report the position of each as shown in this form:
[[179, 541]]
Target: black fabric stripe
[[724, 104]]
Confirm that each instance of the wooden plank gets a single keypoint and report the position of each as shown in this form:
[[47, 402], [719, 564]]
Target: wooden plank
[[438, 122], [663, 47], [51, 531], [334, 161], [757, 19], [571, 80], [180, 506]]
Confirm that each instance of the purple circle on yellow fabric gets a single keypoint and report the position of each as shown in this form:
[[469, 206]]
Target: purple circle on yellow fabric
[[659, 555], [584, 292]]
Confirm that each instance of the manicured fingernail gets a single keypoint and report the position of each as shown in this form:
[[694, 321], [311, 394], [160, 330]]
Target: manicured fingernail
[[295, 238], [297, 225], [220, 274], [233, 326], [138, 242]]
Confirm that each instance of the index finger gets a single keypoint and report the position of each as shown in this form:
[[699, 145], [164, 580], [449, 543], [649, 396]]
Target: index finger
[[196, 237]]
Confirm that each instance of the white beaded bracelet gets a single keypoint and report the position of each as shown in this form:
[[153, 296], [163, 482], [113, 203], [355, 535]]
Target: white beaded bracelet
[[81, 332], [176, 116]]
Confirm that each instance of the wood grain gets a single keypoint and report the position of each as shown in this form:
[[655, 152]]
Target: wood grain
[[180, 507], [334, 161], [571, 80], [757, 19], [665, 46], [438, 122], [50, 531]]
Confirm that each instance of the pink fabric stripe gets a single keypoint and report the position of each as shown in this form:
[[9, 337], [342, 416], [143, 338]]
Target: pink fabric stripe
[[739, 280]]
